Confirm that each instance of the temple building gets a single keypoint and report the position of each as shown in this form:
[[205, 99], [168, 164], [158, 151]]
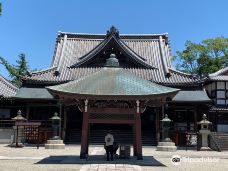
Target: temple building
[[7, 93], [216, 85], [123, 83]]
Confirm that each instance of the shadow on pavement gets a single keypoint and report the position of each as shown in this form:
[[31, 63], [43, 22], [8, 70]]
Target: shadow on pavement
[[99, 159]]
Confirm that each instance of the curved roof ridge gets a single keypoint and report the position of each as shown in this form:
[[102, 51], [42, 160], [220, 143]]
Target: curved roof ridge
[[102, 34], [221, 71], [7, 88], [180, 72], [9, 83], [43, 70]]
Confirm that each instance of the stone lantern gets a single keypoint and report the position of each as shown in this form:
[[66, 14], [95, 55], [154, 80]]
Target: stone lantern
[[166, 124], [19, 117], [204, 132], [166, 144], [17, 140], [55, 126], [55, 142]]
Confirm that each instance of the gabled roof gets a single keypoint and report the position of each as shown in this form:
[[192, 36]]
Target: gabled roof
[[7, 89], [122, 46], [151, 51], [221, 75]]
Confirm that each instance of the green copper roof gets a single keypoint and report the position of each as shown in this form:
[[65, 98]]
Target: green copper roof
[[33, 93], [191, 96], [112, 82]]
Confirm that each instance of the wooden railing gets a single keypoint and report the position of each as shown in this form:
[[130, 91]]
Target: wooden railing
[[6, 123], [10, 123]]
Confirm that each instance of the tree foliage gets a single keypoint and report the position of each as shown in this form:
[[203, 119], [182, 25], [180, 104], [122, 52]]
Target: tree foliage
[[16, 71], [0, 8], [203, 58]]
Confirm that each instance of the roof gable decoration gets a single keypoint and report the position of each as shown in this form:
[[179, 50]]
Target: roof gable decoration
[[112, 37]]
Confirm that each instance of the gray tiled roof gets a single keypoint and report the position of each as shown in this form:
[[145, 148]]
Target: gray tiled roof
[[218, 108], [71, 47], [7, 89], [154, 75], [221, 75]]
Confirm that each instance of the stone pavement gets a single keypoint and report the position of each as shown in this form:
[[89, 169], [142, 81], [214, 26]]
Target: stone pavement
[[32, 159]]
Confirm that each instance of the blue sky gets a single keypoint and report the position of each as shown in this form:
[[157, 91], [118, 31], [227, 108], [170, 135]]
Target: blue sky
[[31, 26]]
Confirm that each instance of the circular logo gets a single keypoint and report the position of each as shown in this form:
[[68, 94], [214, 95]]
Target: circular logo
[[176, 160]]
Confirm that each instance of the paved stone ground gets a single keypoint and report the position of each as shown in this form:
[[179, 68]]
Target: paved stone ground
[[30, 159]]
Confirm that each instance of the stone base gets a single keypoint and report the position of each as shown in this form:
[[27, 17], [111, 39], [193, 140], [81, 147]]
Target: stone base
[[166, 146], [205, 149], [20, 145], [55, 144]]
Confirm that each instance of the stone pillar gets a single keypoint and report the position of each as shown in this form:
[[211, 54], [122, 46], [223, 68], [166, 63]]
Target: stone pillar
[[138, 136]]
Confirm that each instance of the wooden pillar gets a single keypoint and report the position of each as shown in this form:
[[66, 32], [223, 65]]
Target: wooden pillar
[[134, 140], [157, 125], [64, 122], [84, 139], [65, 119], [88, 135], [60, 123], [27, 111], [85, 128], [195, 118], [138, 137]]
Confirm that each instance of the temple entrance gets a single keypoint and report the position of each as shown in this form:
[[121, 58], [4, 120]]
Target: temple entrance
[[74, 118], [123, 133]]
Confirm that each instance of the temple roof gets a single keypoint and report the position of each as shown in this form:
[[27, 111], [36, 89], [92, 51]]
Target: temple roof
[[150, 56], [177, 78], [7, 89], [221, 75], [33, 94], [113, 82], [191, 96]]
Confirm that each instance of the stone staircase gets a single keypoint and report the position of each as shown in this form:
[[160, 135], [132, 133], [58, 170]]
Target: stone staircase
[[221, 140], [73, 136]]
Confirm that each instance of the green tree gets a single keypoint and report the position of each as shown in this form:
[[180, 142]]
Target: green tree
[[0, 8], [203, 58], [16, 71]]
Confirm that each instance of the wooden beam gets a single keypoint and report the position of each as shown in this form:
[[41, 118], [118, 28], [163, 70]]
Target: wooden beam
[[111, 121], [113, 110]]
